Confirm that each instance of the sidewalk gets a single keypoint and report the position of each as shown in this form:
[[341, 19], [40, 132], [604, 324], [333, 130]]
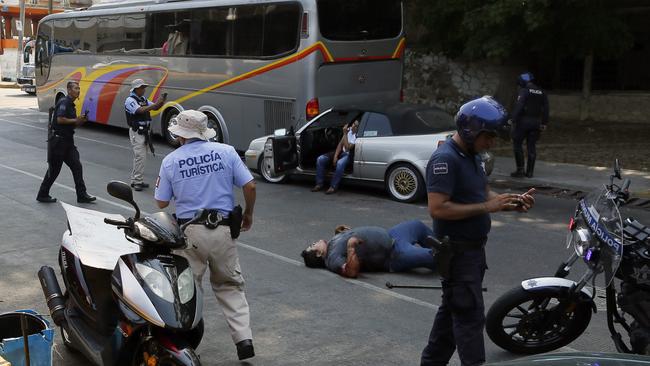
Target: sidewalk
[[569, 177], [9, 85]]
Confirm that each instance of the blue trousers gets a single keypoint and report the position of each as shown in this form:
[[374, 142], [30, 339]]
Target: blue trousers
[[460, 319], [324, 161], [406, 255]]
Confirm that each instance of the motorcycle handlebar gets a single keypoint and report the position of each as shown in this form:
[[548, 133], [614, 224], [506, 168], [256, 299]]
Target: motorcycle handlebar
[[114, 222]]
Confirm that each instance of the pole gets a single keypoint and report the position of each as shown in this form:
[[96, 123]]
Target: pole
[[25, 329], [50, 6], [21, 31]]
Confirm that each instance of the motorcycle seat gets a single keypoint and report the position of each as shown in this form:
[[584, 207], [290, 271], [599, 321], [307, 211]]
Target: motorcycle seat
[[94, 242]]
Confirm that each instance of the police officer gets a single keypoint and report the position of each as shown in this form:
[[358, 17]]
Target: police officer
[[460, 203], [61, 148], [530, 118], [201, 174], [138, 117]]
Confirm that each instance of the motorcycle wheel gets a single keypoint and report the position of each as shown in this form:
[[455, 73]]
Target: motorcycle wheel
[[520, 321]]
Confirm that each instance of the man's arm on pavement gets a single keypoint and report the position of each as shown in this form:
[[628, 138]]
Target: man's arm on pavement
[[352, 266]]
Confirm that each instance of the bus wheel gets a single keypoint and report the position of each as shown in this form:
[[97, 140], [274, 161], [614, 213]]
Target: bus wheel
[[166, 121], [213, 122]]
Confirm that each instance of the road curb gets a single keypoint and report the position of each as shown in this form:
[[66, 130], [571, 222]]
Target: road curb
[[8, 85], [575, 193]]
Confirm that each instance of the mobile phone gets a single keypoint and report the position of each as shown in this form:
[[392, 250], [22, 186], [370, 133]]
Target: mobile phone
[[164, 95]]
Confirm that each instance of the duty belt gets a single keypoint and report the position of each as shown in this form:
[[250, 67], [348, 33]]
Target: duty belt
[[461, 245], [215, 218]]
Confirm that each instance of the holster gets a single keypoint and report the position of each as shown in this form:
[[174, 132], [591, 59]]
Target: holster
[[236, 218], [443, 257]]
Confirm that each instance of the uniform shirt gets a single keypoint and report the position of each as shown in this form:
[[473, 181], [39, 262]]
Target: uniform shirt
[[352, 138], [373, 253], [201, 174], [532, 102], [66, 109], [461, 176], [131, 105]]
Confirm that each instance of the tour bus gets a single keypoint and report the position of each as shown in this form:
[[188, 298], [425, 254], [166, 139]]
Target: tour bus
[[252, 66]]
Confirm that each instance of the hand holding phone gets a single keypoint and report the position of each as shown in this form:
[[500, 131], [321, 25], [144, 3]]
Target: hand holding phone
[[164, 96]]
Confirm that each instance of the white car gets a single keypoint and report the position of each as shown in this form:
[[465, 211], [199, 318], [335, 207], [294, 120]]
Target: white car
[[393, 147]]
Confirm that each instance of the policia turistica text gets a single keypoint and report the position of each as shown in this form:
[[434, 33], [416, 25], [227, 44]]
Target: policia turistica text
[[138, 117], [61, 148], [200, 175], [460, 203]]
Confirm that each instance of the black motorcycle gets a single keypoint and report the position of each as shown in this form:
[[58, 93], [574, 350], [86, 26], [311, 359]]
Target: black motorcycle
[[547, 313], [129, 300]]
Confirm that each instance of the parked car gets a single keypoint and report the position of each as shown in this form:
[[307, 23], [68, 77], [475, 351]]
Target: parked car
[[393, 147]]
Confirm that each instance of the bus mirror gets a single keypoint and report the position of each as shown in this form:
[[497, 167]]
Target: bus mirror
[[280, 132]]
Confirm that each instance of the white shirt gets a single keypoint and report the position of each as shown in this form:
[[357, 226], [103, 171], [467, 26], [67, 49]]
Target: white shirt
[[352, 138]]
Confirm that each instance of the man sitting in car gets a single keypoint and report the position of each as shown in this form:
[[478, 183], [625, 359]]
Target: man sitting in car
[[371, 248], [339, 158]]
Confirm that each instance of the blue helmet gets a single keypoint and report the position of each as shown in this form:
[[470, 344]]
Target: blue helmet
[[481, 115], [525, 78]]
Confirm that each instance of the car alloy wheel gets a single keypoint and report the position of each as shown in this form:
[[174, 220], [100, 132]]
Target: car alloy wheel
[[265, 172], [404, 183]]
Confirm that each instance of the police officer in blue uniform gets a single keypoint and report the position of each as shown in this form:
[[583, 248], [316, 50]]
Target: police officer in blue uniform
[[460, 202], [138, 117], [530, 118], [200, 175], [61, 147]]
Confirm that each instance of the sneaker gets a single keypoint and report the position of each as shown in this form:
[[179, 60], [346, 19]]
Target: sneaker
[[138, 186], [245, 349], [143, 185], [316, 188], [331, 190], [45, 199], [519, 173], [86, 198]]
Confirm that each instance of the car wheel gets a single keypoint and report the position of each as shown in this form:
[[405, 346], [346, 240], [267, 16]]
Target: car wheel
[[166, 121], [404, 183], [266, 173]]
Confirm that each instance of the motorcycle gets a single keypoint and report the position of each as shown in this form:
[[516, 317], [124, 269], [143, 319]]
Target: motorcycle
[[129, 300], [547, 313]]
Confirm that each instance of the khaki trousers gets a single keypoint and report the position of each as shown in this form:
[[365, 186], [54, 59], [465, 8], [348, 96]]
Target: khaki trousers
[[139, 156], [218, 251]]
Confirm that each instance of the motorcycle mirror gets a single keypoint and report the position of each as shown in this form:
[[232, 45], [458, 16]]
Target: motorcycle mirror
[[617, 169], [122, 191]]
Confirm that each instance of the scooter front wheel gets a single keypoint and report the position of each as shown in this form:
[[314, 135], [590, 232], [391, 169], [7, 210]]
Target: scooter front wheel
[[530, 322]]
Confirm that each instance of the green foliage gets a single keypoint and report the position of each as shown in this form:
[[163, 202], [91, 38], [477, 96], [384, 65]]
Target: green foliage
[[500, 29]]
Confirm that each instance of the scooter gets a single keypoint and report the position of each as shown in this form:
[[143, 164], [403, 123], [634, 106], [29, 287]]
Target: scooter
[[129, 300]]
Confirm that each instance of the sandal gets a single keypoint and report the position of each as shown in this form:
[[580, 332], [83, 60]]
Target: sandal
[[316, 188]]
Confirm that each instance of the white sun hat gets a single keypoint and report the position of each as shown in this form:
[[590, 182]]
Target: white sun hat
[[138, 83], [192, 124]]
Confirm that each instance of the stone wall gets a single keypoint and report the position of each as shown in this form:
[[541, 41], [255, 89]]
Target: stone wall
[[434, 79]]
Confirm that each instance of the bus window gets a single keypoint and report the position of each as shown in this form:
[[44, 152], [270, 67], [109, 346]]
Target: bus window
[[110, 34], [248, 30], [170, 32], [344, 20], [42, 52], [281, 29], [210, 32]]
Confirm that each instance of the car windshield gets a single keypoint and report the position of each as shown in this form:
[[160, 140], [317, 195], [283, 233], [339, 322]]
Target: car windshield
[[423, 122]]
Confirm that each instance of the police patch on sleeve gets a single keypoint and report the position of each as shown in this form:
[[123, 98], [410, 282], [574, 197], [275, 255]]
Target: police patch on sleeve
[[158, 182], [440, 168]]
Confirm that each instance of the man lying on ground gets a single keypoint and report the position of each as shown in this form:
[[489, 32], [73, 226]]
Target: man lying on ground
[[373, 249]]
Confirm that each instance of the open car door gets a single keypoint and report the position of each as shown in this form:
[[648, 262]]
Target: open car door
[[280, 154]]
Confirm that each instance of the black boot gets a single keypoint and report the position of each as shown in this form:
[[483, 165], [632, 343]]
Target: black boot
[[519, 160], [530, 167]]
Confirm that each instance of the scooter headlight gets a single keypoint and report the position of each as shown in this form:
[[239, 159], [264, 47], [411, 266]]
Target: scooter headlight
[[156, 281], [186, 286], [581, 241], [145, 233]]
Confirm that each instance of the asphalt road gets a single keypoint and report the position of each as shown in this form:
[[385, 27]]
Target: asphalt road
[[300, 316]]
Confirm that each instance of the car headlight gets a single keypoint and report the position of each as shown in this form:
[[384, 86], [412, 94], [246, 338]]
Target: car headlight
[[145, 233], [156, 281], [186, 285]]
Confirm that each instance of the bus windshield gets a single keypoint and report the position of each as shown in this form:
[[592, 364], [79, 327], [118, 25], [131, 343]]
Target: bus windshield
[[344, 20]]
